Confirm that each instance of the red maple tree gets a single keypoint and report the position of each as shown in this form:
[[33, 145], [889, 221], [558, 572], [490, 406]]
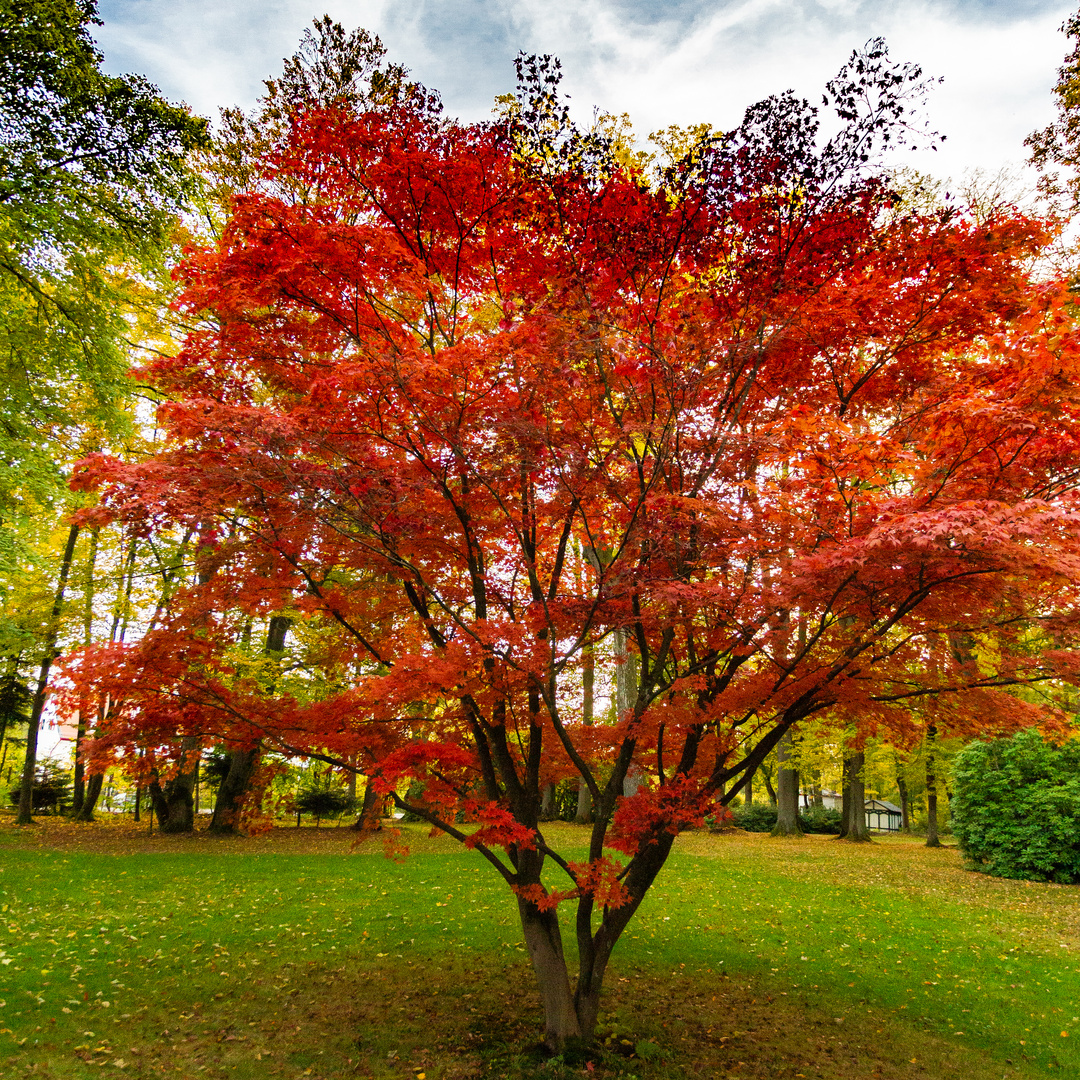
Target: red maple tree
[[486, 404]]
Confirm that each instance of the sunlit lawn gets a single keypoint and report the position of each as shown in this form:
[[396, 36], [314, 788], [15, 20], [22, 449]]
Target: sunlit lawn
[[292, 955]]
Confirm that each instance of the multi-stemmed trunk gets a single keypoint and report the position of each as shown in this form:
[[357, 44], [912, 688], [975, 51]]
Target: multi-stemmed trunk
[[571, 1009], [543, 939], [174, 802]]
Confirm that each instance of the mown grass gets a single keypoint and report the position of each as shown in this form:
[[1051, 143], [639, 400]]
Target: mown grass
[[294, 956]]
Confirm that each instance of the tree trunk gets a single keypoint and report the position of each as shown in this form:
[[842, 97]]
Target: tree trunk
[[231, 791], [931, 790], [369, 817], [78, 791], [905, 804], [547, 803], [157, 802], [585, 810], [787, 792], [174, 803], [90, 797], [748, 790], [26, 791], [769, 789], [79, 780], [544, 942], [853, 812]]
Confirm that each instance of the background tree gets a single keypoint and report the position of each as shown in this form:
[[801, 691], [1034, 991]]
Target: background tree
[[92, 171], [1057, 146]]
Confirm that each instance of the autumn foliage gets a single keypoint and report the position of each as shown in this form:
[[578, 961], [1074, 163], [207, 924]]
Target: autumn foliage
[[478, 406]]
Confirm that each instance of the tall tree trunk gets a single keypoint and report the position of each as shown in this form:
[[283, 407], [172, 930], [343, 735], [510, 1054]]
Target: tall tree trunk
[[79, 780], [625, 696], [853, 812], [78, 791], [905, 803], [547, 802], [787, 792], [588, 703], [122, 610], [26, 792], [94, 784], [931, 789], [748, 790]]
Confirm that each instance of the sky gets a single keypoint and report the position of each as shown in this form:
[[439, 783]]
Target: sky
[[679, 61]]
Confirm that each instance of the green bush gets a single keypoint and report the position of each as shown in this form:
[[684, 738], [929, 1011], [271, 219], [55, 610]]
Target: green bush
[[761, 817], [820, 819], [757, 817], [1016, 808]]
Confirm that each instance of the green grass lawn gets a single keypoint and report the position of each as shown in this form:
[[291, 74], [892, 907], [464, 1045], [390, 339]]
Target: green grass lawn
[[292, 955]]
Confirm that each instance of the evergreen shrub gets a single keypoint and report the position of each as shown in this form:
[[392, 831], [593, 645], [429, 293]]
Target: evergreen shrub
[[320, 803], [51, 790]]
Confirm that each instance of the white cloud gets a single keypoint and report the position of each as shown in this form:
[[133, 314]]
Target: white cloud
[[679, 61]]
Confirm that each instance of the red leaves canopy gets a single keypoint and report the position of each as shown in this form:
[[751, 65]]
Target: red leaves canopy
[[480, 416]]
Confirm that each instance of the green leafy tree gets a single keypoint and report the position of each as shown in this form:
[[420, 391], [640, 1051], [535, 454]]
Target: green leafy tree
[[93, 170], [1016, 807]]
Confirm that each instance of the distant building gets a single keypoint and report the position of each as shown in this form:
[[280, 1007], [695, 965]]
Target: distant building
[[881, 816]]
